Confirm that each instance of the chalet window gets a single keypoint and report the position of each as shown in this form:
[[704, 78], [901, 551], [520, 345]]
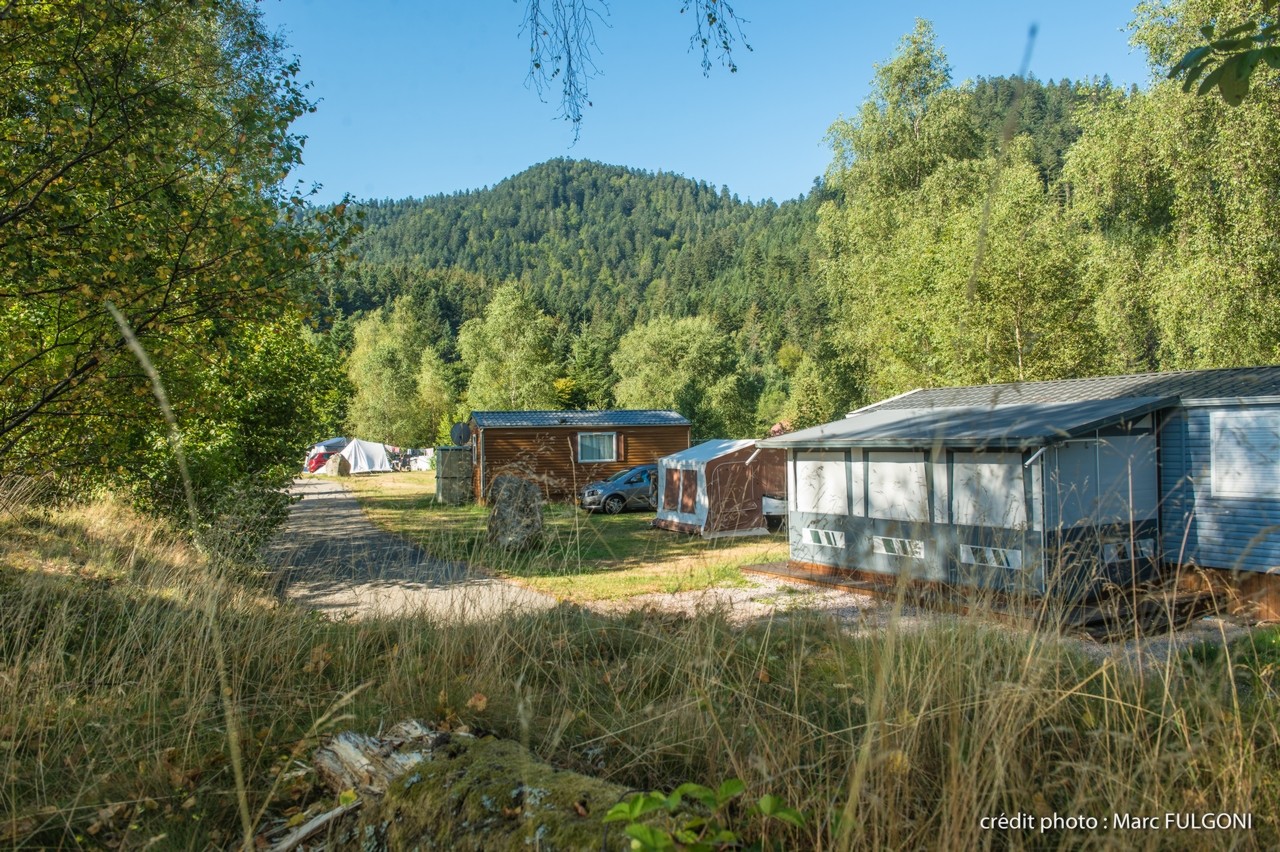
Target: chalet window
[[597, 446], [1245, 453]]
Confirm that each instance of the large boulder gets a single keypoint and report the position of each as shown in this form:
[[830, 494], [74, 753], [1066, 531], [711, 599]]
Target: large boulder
[[337, 465], [464, 793], [515, 519]]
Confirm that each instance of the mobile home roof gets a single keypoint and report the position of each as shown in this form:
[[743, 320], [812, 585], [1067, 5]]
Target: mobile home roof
[[1232, 383], [1004, 426]]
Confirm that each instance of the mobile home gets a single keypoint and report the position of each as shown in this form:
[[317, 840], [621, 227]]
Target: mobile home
[[1045, 487]]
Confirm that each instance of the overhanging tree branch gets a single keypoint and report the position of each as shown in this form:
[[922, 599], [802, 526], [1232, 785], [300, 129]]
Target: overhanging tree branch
[[563, 46], [1227, 59]]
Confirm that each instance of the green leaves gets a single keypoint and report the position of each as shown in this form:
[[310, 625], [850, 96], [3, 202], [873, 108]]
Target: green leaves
[[510, 355], [771, 806], [146, 145], [687, 365], [1236, 51], [400, 384], [634, 807], [697, 815]]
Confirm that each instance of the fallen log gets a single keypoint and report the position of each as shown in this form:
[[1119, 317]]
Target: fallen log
[[421, 788], [309, 829], [351, 761]]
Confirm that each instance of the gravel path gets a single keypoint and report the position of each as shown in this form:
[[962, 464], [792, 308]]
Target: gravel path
[[330, 557], [770, 597]]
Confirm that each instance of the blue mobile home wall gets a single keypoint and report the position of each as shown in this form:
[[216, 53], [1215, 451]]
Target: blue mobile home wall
[[1212, 530]]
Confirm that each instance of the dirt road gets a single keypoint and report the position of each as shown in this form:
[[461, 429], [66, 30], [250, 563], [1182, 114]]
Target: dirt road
[[332, 558]]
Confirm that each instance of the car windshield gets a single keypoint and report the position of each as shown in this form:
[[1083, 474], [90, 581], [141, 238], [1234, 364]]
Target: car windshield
[[622, 474]]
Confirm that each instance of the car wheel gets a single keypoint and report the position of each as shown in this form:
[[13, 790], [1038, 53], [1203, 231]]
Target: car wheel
[[614, 504]]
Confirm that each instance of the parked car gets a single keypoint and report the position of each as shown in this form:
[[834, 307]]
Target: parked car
[[317, 461], [634, 488]]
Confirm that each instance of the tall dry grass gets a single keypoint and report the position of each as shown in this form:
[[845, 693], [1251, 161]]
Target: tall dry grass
[[116, 729]]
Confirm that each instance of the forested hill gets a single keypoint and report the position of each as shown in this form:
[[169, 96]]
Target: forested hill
[[601, 241], [592, 241], [1001, 230], [602, 285]]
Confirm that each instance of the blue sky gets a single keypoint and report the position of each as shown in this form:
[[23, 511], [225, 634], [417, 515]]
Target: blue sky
[[419, 97]]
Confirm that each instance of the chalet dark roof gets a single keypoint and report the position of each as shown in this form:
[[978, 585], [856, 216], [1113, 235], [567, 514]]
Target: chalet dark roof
[[578, 419], [1027, 414], [1187, 385], [1004, 426]]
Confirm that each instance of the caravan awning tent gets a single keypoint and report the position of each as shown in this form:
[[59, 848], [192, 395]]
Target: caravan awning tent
[[366, 457], [717, 488]]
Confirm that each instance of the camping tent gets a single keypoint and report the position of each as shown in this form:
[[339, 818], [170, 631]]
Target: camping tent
[[717, 488], [358, 457], [334, 445]]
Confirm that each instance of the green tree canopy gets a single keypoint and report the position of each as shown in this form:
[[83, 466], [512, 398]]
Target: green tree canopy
[[1177, 196], [146, 145], [402, 387], [946, 259], [509, 354], [685, 365], [913, 121]]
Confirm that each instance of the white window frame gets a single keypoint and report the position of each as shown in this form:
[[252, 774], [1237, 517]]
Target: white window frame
[[821, 483], [1224, 426], [613, 443]]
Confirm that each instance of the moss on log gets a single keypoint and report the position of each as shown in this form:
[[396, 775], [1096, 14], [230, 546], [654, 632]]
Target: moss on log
[[469, 794]]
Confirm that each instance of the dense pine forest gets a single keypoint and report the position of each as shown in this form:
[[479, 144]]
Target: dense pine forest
[[966, 231]]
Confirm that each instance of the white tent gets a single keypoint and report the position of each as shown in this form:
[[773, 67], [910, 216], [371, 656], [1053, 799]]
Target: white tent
[[366, 457]]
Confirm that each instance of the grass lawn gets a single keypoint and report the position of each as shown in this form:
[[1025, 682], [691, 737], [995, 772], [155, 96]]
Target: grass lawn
[[154, 696], [585, 557]]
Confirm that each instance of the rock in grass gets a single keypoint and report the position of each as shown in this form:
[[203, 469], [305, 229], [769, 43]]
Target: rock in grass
[[441, 791], [515, 521]]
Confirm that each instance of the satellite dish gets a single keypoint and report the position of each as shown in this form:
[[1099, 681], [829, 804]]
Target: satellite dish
[[460, 434]]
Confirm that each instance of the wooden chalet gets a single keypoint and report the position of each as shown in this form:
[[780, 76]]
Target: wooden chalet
[[564, 450]]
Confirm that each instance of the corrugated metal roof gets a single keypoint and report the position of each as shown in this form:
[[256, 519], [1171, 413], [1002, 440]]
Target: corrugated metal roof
[[580, 419], [1187, 385], [705, 452], [1009, 425]]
